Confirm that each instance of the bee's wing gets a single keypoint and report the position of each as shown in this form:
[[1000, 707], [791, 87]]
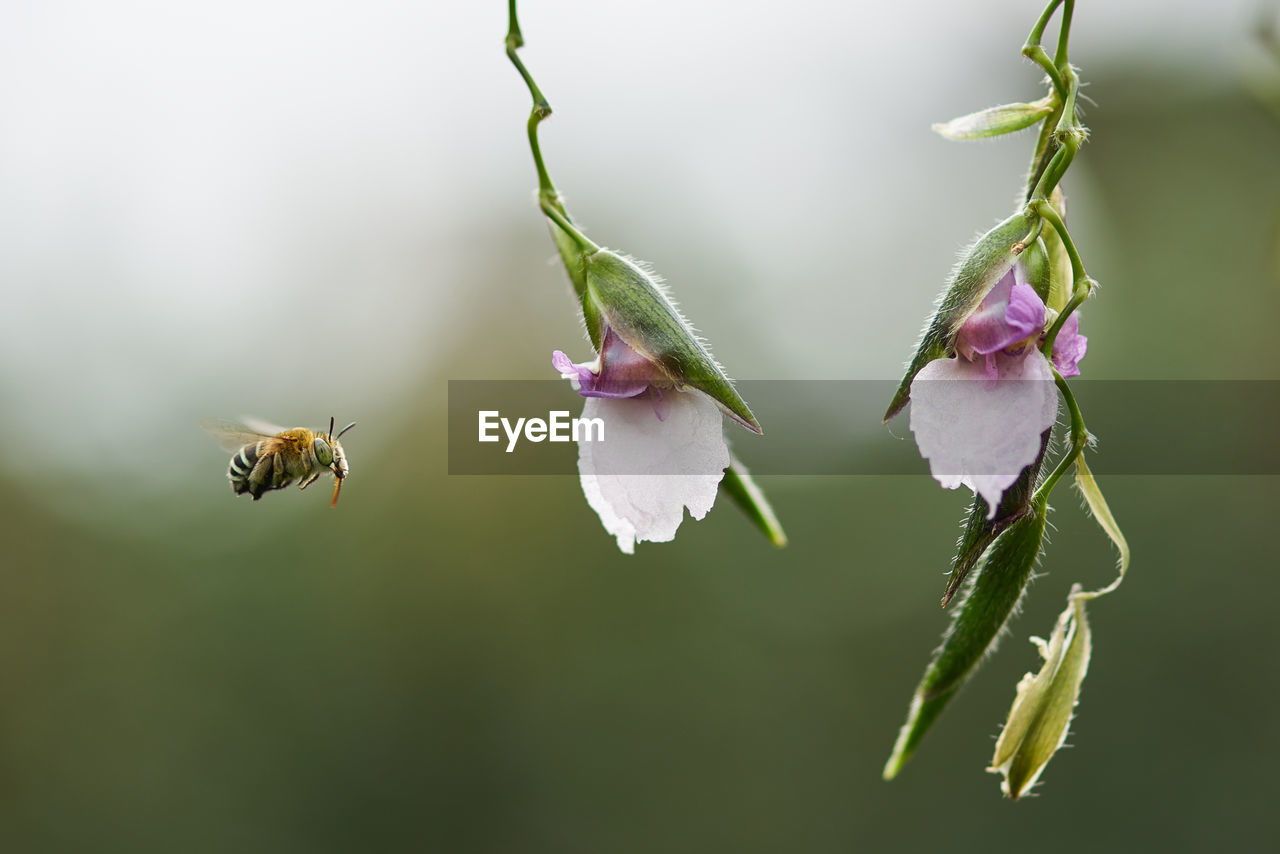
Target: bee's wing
[[234, 435], [257, 425]]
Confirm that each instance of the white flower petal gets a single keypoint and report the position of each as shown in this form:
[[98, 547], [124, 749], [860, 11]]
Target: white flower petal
[[978, 432], [646, 471]]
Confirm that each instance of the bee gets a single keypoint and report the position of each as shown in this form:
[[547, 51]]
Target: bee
[[266, 457]]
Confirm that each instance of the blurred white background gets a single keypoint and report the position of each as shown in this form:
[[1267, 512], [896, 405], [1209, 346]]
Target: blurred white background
[[296, 209]]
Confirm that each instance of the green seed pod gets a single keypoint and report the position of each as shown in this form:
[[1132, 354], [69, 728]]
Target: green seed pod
[[998, 582], [1041, 713]]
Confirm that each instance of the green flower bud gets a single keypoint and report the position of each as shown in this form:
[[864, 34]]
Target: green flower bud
[[995, 121], [1041, 713], [630, 300], [983, 265]]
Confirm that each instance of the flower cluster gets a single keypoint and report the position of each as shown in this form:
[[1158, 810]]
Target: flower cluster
[[666, 449], [984, 388]]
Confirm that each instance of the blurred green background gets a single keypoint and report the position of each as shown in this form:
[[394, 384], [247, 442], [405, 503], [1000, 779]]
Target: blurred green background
[[302, 210]]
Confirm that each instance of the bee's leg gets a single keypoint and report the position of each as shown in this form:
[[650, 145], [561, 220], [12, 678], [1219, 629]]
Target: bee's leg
[[307, 481], [280, 474], [260, 477]]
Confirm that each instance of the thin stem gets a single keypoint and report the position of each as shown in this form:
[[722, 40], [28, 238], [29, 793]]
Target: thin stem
[[1060, 55], [1037, 54], [1079, 438], [1081, 284], [1068, 122], [1068, 144], [1046, 147], [1079, 295], [551, 207], [1031, 237], [1042, 207], [541, 108]]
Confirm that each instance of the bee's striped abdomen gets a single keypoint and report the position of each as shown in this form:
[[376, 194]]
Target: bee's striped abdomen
[[241, 466]]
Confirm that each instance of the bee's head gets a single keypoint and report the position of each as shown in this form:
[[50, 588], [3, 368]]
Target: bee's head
[[329, 451]]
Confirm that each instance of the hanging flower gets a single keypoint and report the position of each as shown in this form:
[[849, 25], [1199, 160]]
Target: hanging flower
[[662, 399], [978, 416]]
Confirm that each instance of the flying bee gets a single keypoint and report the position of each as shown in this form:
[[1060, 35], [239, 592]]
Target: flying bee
[[266, 457]]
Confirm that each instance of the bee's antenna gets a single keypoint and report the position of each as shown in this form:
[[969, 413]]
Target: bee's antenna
[[330, 426], [345, 429]]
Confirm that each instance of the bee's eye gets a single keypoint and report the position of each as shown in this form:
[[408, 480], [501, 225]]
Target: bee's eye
[[324, 454]]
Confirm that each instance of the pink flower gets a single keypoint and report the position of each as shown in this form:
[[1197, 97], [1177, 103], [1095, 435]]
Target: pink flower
[[1069, 347], [663, 450], [978, 417]]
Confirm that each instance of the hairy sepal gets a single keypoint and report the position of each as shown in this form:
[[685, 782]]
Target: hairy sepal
[[983, 265], [631, 300]]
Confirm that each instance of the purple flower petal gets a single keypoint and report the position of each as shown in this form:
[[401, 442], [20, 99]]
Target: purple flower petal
[[619, 372], [1010, 312], [1025, 312], [580, 375], [1069, 347]]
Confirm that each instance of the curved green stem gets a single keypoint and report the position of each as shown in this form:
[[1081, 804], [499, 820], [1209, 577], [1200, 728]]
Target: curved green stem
[[1068, 122], [1032, 236], [1037, 54], [1042, 207], [1060, 55], [1079, 438], [1068, 136], [1082, 285], [552, 208], [1053, 171], [1081, 293], [541, 108]]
